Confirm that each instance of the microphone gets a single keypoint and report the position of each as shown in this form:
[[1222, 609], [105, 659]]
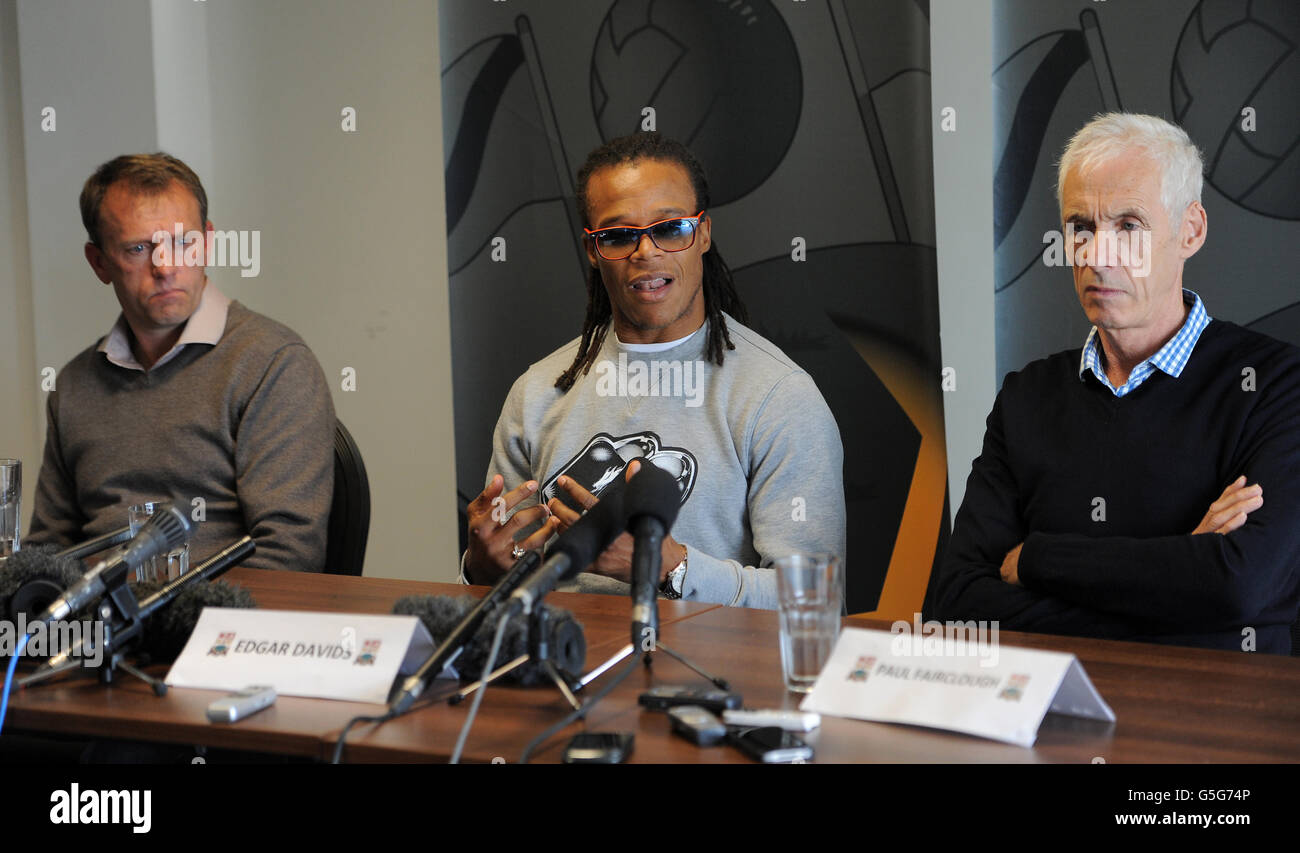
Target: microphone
[[577, 547], [651, 504], [444, 616], [99, 543], [187, 595], [458, 634], [210, 568], [609, 507], [168, 528], [33, 578]]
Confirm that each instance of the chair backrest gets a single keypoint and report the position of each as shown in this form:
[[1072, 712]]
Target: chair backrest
[[349, 524]]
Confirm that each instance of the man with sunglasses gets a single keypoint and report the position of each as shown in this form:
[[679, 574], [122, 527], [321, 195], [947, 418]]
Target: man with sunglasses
[[664, 373]]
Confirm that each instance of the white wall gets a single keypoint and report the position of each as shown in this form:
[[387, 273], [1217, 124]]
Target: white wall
[[352, 224], [353, 234], [90, 63], [19, 423], [961, 51], [86, 64]]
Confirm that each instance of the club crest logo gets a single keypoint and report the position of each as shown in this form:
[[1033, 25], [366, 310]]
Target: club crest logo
[[601, 463], [862, 668], [1015, 688], [222, 645], [369, 650]]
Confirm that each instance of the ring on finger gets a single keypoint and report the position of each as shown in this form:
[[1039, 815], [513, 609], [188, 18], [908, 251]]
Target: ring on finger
[[517, 552]]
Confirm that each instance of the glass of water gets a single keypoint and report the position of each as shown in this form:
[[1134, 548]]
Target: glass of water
[[167, 567], [11, 493], [810, 595]]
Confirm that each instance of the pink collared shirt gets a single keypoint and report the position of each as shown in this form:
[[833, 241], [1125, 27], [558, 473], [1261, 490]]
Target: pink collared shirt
[[206, 326]]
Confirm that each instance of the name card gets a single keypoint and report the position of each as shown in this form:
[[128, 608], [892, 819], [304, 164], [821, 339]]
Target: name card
[[349, 656], [1001, 692]]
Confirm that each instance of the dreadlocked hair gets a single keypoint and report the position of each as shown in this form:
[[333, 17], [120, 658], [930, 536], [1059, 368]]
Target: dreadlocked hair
[[719, 287]]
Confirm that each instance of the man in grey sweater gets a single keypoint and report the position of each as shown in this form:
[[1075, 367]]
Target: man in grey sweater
[[190, 396], [663, 374]]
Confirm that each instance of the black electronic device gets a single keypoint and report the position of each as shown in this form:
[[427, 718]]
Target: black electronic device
[[599, 748], [697, 725], [670, 696], [771, 745]]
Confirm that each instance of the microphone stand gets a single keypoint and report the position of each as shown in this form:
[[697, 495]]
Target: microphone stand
[[645, 609], [647, 655], [119, 612], [650, 506], [582, 543], [123, 618]]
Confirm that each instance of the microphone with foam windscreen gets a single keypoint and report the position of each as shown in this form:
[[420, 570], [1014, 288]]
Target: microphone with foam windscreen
[[651, 504], [173, 609], [171, 627], [457, 634], [443, 615], [576, 548], [34, 578], [228, 557], [168, 528]]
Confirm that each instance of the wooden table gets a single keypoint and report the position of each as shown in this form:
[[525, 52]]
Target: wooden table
[[1172, 704]]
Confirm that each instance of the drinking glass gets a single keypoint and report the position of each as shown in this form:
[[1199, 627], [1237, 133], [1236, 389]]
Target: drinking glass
[[810, 596], [167, 567], [11, 493]]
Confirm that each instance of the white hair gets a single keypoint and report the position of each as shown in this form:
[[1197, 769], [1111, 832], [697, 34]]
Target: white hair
[[1111, 134]]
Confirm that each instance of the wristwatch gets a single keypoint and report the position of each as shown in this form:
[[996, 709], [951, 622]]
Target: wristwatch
[[673, 583]]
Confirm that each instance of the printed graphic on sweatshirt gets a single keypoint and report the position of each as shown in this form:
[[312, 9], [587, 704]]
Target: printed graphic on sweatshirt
[[602, 461]]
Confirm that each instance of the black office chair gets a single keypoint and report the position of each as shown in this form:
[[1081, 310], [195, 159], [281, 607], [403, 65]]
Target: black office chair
[[349, 524]]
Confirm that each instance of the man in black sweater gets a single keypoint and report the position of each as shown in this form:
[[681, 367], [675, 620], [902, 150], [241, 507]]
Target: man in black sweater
[[1146, 487]]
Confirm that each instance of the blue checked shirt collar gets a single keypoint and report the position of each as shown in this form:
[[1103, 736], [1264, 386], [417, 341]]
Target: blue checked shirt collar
[[1170, 358]]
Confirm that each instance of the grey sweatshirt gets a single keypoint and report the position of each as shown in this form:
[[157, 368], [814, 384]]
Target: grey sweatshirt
[[755, 449]]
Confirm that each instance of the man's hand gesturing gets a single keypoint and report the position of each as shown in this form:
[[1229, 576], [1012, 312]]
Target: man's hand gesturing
[[492, 532], [616, 560]]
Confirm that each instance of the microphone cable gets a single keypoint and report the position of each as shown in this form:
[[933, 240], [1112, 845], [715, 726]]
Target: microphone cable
[[502, 624], [420, 704], [9, 677], [337, 758], [578, 714]]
